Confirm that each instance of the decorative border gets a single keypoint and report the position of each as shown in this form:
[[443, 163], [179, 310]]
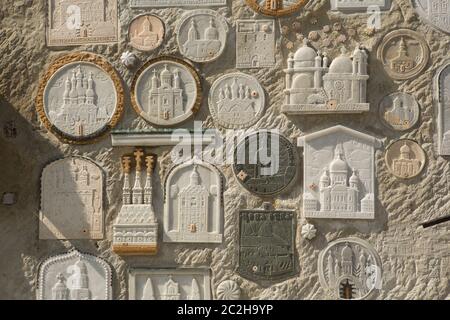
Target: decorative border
[[197, 103], [68, 256], [276, 13], [105, 66], [422, 167], [146, 15]]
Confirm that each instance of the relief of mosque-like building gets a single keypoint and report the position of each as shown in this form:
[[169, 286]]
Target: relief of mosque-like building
[[406, 165], [313, 87], [202, 46]]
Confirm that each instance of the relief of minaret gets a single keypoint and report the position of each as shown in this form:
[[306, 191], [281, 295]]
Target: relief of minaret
[[148, 293], [148, 189], [195, 291], [126, 163], [137, 188]]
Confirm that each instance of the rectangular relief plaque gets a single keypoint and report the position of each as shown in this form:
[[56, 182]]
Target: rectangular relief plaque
[[176, 3]]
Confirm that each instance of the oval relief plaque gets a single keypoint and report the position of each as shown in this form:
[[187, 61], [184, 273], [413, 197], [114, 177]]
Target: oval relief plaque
[[434, 12], [166, 91], [276, 7], [265, 163], [399, 111], [146, 32], [236, 100], [405, 159], [80, 97], [202, 35], [404, 54]]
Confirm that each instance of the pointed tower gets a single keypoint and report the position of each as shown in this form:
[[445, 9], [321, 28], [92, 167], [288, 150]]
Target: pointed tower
[[211, 32], [80, 284], [195, 291], [90, 93], [148, 293], [192, 33], [137, 188], [126, 166], [60, 290], [148, 190]]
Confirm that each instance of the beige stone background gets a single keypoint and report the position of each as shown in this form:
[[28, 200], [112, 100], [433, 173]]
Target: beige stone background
[[415, 261]]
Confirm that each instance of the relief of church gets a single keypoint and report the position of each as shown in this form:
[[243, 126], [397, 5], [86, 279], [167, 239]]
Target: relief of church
[[313, 87], [359, 5], [441, 93], [71, 200], [193, 204], [74, 276], [339, 174], [135, 230], [169, 284]]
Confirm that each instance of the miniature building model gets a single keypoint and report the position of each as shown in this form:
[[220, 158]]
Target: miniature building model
[[135, 229], [193, 203], [312, 87], [339, 174]]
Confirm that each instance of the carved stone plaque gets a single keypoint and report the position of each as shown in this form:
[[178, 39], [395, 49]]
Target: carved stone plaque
[[135, 230], [166, 91], [176, 3], [74, 276], [80, 97], [441, 92], [404, 54], [202, 35], [435, 12], [71, 200], [339, 174], [169, 284], [79, 22], [276, 7], [313, 87], [146, 32], [359, 5], [236, 100], [193, 203], [399, 111], [405, 159], [278, 170], [266, 243], [350, 269], [255, 43]]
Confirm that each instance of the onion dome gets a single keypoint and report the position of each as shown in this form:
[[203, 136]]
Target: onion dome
[[211, 32], [354, 178], [305, 56], [405, 149], [325, 178], [342, 64]]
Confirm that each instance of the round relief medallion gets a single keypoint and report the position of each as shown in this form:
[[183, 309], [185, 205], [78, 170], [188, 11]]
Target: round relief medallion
[[202, 35], [434, 12], [276, 7], [399, 111], [265, 163], [405, 159], [80, 97], [146, 32], [236, 100], [404, 54], [166, 91]]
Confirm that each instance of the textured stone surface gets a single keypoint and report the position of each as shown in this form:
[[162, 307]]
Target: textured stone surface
[[415, 261]]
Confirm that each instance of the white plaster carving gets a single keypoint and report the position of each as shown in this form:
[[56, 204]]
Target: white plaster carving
[[255, 43], [202, 35], [350, 269], [313, 87], [71, 200], [75, 276], [359, 5], [146, 32], [441, 94], [169, 284], [339, 174], [135, 231], [78, 22], [129, 59], [176, 3], [156, 139], [193, 203], [405, 159], [236, 100], [309, 231], [435, 12], [228, 290], [399, 111], [166, 91]]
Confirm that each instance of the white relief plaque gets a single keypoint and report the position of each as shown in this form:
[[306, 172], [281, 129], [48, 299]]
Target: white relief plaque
[[435, 12], [169, 284], [405, 159], [176, 3], [74, 276], [339, 174], [255, 43], [71, 200], [202, 35], [399, 111], [146, 32], [166, 91], [236, 100], [193, 203], [441, 94], [359, 5], [313, 87], [78, 22], [135, 231], [349, 269]]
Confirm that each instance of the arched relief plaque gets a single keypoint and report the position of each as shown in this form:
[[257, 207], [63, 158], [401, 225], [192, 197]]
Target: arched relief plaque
[[276, 8], [441, 88], [405, 159], [350, 269], [146, 32], [80, 97], [399, 111], [166, 91], [434, 12]]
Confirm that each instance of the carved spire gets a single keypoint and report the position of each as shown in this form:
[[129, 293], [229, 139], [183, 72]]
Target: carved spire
[[126, 166], [148, 189], [137, 189]]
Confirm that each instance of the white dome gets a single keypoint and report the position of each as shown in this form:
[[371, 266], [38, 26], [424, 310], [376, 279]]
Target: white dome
[[338, 165], [341, 64]]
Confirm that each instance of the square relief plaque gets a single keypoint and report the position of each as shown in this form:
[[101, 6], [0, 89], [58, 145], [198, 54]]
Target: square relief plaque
[[169, 284], [176, 3], [339, 174], [359, 5], [78, 22]]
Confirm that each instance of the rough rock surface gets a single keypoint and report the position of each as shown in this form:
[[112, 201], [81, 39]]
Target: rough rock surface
[[415, 261]]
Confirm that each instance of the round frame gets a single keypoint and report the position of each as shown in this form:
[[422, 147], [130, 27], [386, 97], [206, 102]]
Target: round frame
[[422, 167], [145, 15]]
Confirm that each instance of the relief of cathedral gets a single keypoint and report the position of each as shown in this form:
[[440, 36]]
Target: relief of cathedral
[[202, 45]]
